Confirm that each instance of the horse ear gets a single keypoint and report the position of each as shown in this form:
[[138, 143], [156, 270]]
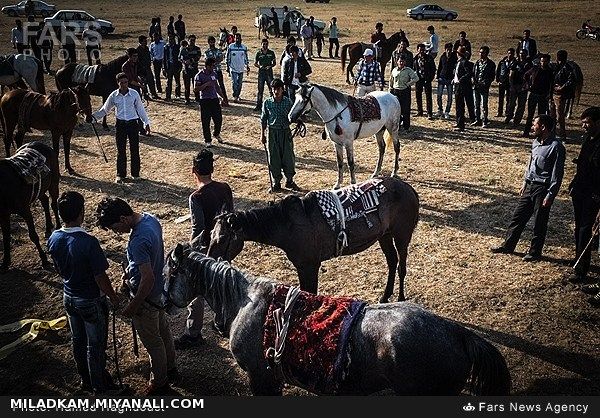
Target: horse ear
[[292, 206], [178, 252], [233, 222]]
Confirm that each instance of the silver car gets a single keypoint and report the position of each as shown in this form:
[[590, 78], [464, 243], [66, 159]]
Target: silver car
[[431, 11], [39, 9]]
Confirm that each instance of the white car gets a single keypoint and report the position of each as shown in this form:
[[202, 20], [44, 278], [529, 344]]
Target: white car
[[431, 11], [79, 20], [39, 9]]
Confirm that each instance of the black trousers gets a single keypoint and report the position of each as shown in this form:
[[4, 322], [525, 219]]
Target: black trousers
[[93, 55], [210, 109], [222, 85], [157, 66], [539, 101], [70, 53], [426, 86], [148, 79], [503, 91], [188, 78], [128, 130], [286, 29], [586, 210], [47, 58], [20, 48], [173, 73], [404, 99], [464, 98], [530, 203], [516, 104], [332, 42]]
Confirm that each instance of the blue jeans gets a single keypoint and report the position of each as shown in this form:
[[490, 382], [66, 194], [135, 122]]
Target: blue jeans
[[88, 319], [236, 79], [449, 87]]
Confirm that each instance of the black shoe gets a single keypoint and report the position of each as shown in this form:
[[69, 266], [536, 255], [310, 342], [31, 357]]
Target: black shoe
[[591, 289], [276, 188], [292, 186], [187, 341], [501, 250], [84, 389], [532, 257], [578, 278], [173, 376], [419, 114]]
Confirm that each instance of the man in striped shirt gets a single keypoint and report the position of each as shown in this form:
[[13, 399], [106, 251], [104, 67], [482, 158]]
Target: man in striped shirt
[[217, 55], [369, 73]]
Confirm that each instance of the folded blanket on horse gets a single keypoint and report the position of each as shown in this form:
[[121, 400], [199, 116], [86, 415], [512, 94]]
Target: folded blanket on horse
[[352, 202], [6, 65], [316, 354], [30, 164], [84, 73], [364, 109], [25, 107]]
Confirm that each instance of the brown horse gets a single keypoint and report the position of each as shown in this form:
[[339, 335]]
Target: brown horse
[[19, 192], [355, 53], [56, 113], [299, 228]]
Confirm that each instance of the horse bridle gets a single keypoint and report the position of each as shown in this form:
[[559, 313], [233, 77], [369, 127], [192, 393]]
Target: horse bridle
[[76, 104], [306, 101]]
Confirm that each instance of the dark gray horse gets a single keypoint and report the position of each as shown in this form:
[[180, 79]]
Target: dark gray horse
[[398, 346], [297, 226]]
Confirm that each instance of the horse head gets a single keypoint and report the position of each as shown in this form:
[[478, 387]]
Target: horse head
[[83, 101], [179, 289], [226, 240], [303, 103]]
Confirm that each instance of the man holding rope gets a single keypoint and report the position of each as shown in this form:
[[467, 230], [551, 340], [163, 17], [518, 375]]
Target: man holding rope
[[82, 265], [275, 112], [585, 194]]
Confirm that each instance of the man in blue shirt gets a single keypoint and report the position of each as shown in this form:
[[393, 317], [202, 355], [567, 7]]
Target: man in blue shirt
[[82, 265], [543, 177], [143, 278]]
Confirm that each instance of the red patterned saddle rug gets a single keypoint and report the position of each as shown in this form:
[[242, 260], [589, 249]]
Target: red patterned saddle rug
[[312, 351], [364, 109]]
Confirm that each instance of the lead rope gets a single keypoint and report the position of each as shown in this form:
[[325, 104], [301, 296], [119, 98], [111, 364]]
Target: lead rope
[[342, 238], [282, 323]]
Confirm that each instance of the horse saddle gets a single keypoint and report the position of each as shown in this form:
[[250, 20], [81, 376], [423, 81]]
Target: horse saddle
[[313, 331], [84, 74], [29, 99], [6, 65], [364, 109], [30, 164]]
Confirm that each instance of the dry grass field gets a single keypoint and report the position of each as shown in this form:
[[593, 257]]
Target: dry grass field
[[467, 183]]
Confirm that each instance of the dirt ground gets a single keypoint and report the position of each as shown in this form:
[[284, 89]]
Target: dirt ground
[[467, 183]]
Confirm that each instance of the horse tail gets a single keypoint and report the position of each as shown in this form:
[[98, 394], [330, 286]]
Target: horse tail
[[344, 49], [489, 374]]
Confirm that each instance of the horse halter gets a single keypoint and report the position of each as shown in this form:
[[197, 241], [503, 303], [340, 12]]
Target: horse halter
[[76, 105], [306, 101]]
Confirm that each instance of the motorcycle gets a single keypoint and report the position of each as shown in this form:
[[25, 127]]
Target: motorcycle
[[588, 31]]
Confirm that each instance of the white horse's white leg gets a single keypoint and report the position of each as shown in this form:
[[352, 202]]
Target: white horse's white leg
[[396, 139], [350, 157], [381, 146], [339, 153]]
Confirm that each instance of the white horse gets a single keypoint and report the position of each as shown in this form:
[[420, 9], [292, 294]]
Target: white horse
[[332, 107], [25, 67]]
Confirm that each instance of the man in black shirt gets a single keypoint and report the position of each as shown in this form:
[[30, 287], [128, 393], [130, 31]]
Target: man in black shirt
[[190, 58], [210, 199], [502, 73], [445, 72], [585, 190], [463, 88], [144, 66], [539, 81], [483, 76], [563, 89], [518, 90], [180, 28], [425, 68]]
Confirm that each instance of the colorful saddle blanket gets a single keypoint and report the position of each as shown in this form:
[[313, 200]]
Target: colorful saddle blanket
[[355, 201], [84, 73], [364, 109], [316, 354], [30, 164]]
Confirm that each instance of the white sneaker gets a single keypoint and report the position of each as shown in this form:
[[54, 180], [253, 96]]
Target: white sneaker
[[446, 115], [136, 178], [208, 144], [119, 179]]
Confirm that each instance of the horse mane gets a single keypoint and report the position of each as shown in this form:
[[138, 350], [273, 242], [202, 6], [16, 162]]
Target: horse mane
[[116, 64], [259, 221], [333, 96]]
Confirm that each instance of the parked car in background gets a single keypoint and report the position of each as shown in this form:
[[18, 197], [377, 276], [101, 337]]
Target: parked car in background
[[40, 8], [295, 13], [79, 20], [431, 11], [316, 1]]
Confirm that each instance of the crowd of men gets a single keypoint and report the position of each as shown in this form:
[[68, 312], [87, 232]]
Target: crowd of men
[[526, 79]]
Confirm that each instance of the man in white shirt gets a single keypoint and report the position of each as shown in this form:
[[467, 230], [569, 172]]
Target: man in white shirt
[[92, 39], [17, 37], [157, 53], [128, 109], [434, 42], [237, 61], [307, 34]]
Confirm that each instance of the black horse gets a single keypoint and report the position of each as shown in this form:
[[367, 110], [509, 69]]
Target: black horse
[[19, 192], [104, 82]]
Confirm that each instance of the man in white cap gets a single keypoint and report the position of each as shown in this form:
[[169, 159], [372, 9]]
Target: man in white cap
[[369, 73]]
